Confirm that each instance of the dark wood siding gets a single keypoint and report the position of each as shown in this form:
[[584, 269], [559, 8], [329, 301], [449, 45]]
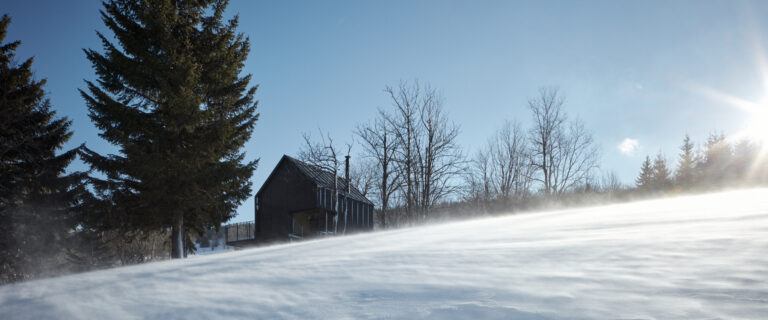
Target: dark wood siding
[[292, 204], [359, 216], [286, 192]]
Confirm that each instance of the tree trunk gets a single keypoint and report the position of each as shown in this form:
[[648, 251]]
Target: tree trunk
[[177, 238]]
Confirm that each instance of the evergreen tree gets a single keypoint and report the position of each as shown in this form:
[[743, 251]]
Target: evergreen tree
[[686, 164], [645, 180], [746, 167], [171, 97], [37, 198], [717, 159], [661, 175]]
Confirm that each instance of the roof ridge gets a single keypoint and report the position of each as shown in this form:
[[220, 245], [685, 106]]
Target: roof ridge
[[315, 173], [307, 164]]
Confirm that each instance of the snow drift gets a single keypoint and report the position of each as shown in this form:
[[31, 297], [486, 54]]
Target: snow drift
[[691, 257]]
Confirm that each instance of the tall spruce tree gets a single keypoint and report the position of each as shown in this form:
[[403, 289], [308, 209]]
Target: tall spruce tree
[[170, 96], [37, 197], [645, 180]]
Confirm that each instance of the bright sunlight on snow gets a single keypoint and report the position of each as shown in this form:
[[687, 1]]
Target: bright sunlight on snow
[[692, 257]]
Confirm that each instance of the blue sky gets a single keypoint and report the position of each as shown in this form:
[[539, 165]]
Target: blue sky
[[628, 69]]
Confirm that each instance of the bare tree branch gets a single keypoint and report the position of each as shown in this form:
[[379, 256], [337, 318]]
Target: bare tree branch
[[563, 152]]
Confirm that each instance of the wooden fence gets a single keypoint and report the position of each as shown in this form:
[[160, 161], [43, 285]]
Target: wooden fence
[[241, 231]]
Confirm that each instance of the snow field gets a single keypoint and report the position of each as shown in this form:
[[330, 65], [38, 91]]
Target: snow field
[[697, 257]]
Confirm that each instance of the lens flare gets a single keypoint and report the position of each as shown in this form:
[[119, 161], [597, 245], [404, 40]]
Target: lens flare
[[755, 129]]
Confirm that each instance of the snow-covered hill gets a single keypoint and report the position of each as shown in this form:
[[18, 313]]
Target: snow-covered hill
[[700, 257]]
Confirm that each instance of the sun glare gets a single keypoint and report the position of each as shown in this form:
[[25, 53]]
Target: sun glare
[[756, 109], [757, 127]]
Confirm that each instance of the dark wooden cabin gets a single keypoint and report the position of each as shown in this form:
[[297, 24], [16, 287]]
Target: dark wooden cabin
[[297, 201]]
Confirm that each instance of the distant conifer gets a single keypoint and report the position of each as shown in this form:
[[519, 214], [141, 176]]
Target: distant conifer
[[715, 166], [661, 179], [686, 164], [645, 180]]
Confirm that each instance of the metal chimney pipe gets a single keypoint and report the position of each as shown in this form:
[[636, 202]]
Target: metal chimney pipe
[[346, 172]]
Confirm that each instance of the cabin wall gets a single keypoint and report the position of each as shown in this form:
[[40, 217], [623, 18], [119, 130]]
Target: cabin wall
[[359, 215], [288, 191]]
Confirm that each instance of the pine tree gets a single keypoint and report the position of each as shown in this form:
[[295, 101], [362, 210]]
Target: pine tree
[[645, 180], [171, 97], [37, 198], [745, 166], [686, 164], [717, 160], [661, 176]]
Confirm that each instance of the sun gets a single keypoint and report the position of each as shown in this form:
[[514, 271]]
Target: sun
[[755, 131], [757, 127]]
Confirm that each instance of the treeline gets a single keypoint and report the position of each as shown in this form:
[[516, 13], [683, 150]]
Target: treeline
[[411, 166], [169, 95], [553, 158], [718, 164]]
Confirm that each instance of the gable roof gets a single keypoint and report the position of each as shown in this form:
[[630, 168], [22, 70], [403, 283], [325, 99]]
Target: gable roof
[[320, 178]]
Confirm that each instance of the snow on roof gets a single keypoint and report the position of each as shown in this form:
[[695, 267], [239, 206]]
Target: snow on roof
[[693, 257]]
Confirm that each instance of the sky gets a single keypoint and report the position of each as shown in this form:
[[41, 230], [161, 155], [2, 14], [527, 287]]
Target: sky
[[640, 75]]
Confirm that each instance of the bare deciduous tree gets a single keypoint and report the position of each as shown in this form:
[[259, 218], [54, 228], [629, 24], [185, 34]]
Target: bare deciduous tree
[[439, 157], [407, 101], [502, 169], [610, 183], [563, 152], [510, 162], [380, 143], [575, 157], [363, 176], [427, 154], [324, 154], [548, 119], [478, 180]]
